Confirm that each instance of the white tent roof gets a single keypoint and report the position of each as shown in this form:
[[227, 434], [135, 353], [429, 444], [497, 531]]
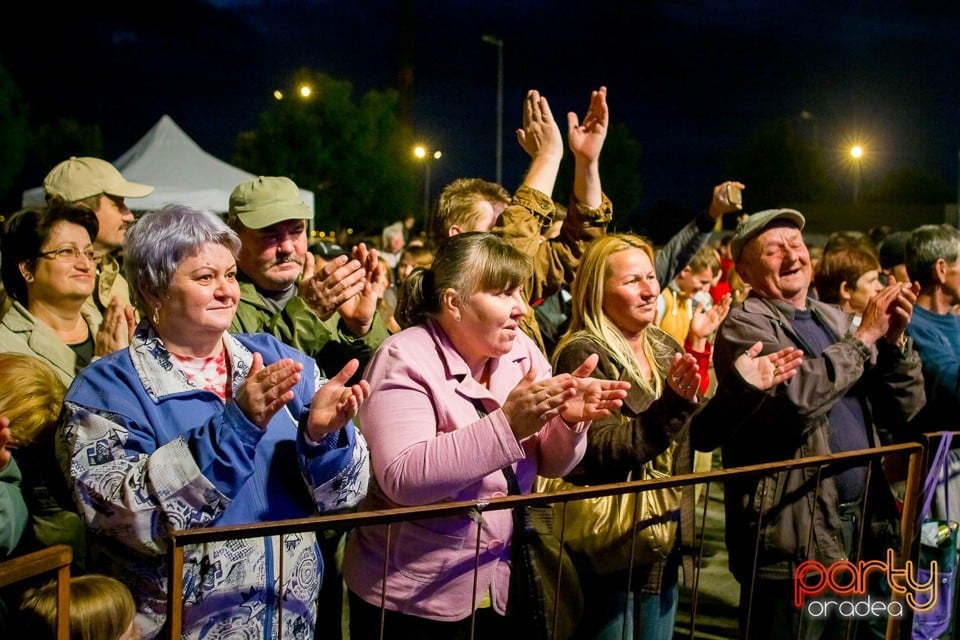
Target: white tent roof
[[179, 170]]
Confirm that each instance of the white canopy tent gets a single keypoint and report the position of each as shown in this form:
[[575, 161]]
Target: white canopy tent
[[179, 170]]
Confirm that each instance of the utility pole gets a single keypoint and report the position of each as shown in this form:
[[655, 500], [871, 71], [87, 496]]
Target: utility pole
[[498, 43]]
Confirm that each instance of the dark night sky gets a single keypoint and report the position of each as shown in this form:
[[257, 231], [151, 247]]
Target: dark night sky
[[690, 79]]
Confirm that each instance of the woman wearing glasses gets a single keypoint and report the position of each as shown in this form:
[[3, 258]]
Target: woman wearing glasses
[[49, 271]]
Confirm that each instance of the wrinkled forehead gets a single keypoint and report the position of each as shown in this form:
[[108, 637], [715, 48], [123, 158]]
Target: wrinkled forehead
[[778, 232]]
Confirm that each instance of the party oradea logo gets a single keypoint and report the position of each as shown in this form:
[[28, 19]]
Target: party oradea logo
[[842, 588]]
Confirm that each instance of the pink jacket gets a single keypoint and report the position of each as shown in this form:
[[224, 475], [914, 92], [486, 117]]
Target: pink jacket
[[428, 444]]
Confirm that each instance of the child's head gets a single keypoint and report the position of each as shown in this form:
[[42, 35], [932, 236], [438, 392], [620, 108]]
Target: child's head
[[413, 257], [31, 395], [700, 273], [101, 608]]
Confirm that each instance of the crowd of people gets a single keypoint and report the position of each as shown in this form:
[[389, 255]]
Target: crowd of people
[[183, 369]]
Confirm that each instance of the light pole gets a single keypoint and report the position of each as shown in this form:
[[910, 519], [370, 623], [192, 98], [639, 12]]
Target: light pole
[[856, 152], [421, 153], [809, 117], [498, 43]]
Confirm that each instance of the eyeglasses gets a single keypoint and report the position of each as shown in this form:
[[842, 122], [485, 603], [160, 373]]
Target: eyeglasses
[[70, 255]]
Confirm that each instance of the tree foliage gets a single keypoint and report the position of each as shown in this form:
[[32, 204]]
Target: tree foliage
[[13, 131], [65, 137], [779, 166], [355, 156]]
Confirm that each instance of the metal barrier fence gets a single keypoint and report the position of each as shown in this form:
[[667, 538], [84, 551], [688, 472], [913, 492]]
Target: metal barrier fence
[[58, 558], [52, 560], [915, 469]]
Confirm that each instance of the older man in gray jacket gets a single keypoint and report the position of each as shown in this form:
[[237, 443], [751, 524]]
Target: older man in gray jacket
[[854, 383]]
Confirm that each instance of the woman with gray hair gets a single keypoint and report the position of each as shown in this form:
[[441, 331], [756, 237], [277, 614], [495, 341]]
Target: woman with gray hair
[[192, 426]]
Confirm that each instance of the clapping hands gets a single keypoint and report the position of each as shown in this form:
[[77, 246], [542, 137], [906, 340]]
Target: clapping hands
[[116, 329], [267, 388], [765, 372], [336, 403], [684, 376], [576, 397]]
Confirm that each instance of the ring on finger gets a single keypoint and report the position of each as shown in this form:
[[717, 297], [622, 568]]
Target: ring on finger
[[776, 371]]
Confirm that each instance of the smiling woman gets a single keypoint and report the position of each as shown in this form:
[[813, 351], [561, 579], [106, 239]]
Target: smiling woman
[[206, 428], [49, 270]]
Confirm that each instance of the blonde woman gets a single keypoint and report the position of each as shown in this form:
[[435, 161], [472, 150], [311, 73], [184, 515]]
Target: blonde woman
[[614, 307]]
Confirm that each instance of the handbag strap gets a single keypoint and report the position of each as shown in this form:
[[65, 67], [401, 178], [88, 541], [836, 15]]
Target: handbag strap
[[513, 487], [939, 464]]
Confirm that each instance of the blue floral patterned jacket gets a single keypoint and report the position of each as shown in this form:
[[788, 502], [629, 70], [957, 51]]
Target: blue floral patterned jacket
[[148, 453]]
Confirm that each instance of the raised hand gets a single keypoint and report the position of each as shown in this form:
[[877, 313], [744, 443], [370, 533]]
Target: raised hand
[[878, 320], [266, 389], [324, 290], [334, 404], [901, 311], [720, 204], [703, 324], [357, 312], [765, 372], [586, 138], [540, 135], [116, 329], [684, 376]]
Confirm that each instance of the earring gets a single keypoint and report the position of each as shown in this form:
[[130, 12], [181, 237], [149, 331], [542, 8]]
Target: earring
[[156, 315], [28, 278]]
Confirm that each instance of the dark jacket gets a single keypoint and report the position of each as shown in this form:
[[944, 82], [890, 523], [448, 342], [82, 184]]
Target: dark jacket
[[643, 428], [791, 421]]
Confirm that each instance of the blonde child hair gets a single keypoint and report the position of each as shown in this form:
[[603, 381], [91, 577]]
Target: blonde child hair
[[31, 397], [101, 608]]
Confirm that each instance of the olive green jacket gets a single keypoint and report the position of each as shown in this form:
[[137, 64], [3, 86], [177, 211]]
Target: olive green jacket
[[327, 341], [21, 332], [555, 261]]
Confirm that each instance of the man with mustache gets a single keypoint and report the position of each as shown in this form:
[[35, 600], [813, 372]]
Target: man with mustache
[[328, 312]]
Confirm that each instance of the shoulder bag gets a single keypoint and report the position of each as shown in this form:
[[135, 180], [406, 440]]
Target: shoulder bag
[[545, 595], [602, 529], [938, 552]]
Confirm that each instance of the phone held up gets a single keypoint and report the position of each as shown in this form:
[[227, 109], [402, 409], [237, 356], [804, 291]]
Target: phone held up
[[734, 194]]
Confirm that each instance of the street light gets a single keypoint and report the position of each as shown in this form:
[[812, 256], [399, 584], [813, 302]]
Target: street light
[[856, 152], [304, 91], [425, 156], [498, 43]]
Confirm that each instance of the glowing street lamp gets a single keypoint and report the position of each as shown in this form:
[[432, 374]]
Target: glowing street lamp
[[304, 91], [856, 152], [425, 156]]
